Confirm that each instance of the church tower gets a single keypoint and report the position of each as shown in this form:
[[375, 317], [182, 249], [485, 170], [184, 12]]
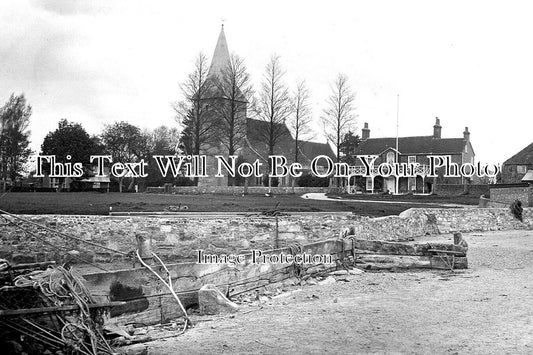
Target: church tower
[[221, 58], [217, 99]]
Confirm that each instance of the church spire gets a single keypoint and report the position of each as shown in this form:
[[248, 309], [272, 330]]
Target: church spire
[[221, 56]]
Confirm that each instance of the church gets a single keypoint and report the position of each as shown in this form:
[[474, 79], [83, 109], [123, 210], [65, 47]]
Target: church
[[253, 145]]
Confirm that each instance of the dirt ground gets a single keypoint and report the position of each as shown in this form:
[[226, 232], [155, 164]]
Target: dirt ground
[[487, 309]]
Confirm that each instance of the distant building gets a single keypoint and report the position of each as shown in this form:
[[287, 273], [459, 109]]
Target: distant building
[[254, 148], [414, 149], [515, 168]]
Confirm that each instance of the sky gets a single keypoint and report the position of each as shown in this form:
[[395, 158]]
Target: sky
[[470, 63]]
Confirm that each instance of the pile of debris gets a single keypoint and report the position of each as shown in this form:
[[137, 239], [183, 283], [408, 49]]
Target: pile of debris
[[49, 312]]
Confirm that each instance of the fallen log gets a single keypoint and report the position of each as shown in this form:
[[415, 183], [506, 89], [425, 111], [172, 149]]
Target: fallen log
[[361, 246], [384, 262]]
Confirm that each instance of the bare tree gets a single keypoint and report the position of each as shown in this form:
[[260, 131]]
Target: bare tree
[[275, 105], [339, 115], [194, 114], [233, 91], [301, 119]]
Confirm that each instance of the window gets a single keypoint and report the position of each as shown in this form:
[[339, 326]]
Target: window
[[390, 157], [411, 159], [521, 169], [411, 182], [369, 184]]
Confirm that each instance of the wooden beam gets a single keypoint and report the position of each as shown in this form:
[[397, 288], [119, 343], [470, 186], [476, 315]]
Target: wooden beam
[[25, 311], [384, 262]]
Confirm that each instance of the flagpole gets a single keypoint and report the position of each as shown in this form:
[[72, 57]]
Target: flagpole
[[397, 120], [397, 130]]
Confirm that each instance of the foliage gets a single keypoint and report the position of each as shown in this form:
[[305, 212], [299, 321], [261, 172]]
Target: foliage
[[310, 180], [348, 148], [161, 141], [70, 138], [126, 144], [14, 137]]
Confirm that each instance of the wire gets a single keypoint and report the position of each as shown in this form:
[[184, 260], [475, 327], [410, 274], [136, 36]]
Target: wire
[[167, 284]]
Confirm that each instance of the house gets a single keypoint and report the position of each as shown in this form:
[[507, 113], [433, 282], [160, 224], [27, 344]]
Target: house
[[253, 146], [90, 182], [413, 149], [516, 167]]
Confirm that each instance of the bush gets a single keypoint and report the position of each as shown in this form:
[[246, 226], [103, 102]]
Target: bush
[[183, 181], [310, 180], [275, 181]]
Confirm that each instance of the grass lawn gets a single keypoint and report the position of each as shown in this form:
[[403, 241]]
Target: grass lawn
[[98, 203]]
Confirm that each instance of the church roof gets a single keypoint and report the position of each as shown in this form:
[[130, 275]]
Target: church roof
[[255, 132], [412, 145], [221, 56], [311, 150], [523, 157], [285, 145]]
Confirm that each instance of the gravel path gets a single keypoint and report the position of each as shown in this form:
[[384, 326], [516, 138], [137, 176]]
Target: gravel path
[[323, 197], [487, 309]]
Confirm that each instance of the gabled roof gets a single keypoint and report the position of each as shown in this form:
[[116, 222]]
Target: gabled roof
[[524, 157], [221, 56], [310, 150], [413, 145]]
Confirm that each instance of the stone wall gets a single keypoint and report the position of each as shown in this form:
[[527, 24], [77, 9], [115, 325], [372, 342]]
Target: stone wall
[[460, 189], [178, 239], [485, 202], [509, 193], [238, 190]]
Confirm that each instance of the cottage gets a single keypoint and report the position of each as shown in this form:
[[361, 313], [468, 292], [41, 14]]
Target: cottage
[[514, 169], [413, 149]]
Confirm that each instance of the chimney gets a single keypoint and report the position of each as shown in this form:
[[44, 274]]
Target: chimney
[[466, 135], [437, 128], [365, 132]]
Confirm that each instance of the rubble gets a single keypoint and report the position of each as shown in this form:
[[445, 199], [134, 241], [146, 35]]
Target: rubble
[[327, 281], [212, 301]]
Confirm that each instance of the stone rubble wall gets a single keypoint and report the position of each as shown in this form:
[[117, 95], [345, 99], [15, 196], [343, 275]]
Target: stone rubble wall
[[178, 239], [508, 194], [460, 189]]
